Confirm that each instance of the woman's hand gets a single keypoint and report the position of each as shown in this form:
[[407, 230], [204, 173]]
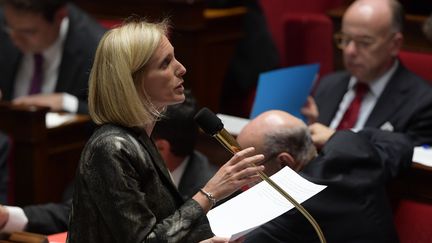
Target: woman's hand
[[234, 174]]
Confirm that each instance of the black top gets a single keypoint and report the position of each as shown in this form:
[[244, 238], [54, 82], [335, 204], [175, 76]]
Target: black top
[[124, 193]]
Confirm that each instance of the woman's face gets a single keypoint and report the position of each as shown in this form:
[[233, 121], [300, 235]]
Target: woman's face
[[163, 76]]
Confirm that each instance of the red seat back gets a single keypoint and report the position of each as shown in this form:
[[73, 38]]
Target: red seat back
[[413, 221], [418, 62]]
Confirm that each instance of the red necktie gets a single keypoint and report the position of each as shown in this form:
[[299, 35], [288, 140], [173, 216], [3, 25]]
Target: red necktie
[[37, 78], [351, 114]]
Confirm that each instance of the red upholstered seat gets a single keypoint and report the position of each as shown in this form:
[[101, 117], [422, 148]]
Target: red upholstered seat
[[308, 39], [418, 62], [302, 31], [413, 221], [109, 23]]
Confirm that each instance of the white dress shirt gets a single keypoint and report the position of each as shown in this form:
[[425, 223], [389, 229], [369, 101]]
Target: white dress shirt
[[177, 174], [17, 220], [376, 88]]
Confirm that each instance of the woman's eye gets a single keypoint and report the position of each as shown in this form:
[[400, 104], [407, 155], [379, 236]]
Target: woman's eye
[[165, 63]]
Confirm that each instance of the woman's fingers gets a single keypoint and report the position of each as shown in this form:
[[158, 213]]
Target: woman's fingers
[[237, 157]]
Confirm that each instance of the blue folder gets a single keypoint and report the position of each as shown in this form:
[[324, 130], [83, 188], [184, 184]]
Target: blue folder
[[284, 89]]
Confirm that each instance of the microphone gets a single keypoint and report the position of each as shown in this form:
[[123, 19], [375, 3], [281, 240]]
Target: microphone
[[213, 126]]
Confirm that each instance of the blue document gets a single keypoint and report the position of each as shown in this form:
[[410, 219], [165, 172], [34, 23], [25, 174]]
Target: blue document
[[284, 89]]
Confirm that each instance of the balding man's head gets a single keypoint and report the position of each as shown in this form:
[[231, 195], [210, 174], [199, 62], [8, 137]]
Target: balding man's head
[[371, 37], [281, 137]]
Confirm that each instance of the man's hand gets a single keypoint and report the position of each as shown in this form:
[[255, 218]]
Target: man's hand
[[310, 110], [53, 101], [320, 134], [4, 216]]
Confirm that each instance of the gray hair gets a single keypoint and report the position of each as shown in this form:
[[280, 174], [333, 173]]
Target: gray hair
[[295, 141], [398, 17]]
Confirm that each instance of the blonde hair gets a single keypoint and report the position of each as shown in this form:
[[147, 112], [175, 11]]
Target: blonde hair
[[115, 90]]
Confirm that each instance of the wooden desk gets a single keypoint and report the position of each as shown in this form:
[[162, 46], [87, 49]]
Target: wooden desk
[[414, 184], [414, 39], [44, 159], [204, 39]]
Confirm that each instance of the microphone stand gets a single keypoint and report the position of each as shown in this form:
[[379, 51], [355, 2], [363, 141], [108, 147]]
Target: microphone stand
[[233, 147]]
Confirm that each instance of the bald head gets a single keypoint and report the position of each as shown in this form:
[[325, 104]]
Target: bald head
[[281, 137], [269, 122], [381, 14]]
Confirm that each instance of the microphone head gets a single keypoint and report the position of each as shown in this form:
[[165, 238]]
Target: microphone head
[[208, 121]]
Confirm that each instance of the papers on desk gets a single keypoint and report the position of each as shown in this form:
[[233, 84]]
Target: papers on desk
[[54, 119], [422, 156], [260, 204], [284, 89], [233, 124]]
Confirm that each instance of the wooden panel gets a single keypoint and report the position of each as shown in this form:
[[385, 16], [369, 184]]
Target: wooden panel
[[43, 160], [204, 39]]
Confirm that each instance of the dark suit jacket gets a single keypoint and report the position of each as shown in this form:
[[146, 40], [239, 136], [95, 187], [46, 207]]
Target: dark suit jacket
[[79, 48], [5, 149], [50, 218], [406, 103], [124, 193], [354, 206], [197, 173]]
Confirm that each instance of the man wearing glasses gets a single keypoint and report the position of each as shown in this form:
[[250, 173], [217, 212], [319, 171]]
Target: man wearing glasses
[[47, 48], [376, 90]]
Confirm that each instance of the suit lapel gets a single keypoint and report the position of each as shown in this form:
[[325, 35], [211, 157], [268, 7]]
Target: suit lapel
[[71, 59], [9, 60], [389, 101], [330, 106]]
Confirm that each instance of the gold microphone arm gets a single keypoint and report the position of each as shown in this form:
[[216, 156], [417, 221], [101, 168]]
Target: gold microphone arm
[[233, 147]]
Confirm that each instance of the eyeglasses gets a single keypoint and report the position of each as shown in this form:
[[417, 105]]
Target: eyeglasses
[[342, 41], [23, 32]]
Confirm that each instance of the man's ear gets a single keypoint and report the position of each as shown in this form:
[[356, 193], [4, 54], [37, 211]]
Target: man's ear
[[285, 159], [162, 145], [397, 44], [60, 14]]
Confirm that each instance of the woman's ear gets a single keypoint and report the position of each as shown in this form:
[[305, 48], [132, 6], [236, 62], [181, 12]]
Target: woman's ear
[[285, 159]]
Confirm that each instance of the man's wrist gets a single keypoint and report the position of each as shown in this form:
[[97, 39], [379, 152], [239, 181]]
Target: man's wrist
[[17, 220]]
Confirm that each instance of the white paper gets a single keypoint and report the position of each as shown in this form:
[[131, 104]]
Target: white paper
[[260, 204], [53, 119], [422, 156], [233, 124]]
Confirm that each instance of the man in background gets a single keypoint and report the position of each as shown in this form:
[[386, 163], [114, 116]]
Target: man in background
[[175, 136], [376, 90], [355, 167], [47, 49]]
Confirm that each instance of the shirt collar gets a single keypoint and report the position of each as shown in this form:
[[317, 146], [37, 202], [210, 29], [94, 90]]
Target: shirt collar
[[377, 86], [178, 172]]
